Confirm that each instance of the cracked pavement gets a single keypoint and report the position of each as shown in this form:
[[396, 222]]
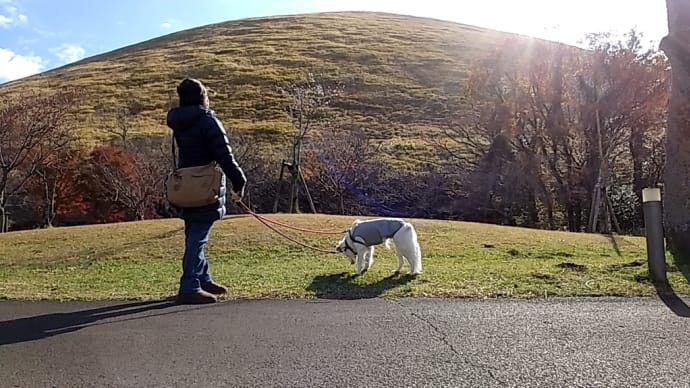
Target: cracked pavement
[[574, 342]]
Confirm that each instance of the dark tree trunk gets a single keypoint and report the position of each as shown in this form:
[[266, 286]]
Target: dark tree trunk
[[677, 168]]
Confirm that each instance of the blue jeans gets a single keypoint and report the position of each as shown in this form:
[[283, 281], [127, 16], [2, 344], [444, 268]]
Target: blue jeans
[[194, 265]]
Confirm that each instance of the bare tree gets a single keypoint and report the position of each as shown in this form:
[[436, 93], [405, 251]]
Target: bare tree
[[119, 120], [34, 127], [306, 100], [246, 151], [501, 133], [568, 135], [341, 159]]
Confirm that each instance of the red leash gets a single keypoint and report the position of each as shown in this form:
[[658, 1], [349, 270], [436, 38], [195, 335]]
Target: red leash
[[266, 221], [249, 211]]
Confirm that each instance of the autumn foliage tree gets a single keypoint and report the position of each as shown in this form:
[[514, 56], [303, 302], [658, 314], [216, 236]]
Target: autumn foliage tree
[[128, 181], [55, 188]]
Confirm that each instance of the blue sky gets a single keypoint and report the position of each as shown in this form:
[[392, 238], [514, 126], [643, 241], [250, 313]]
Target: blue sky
[[38, 35]]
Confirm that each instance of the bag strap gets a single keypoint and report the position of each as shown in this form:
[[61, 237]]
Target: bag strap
[[172, 147]]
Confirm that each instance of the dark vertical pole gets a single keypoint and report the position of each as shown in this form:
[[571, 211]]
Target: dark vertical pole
[[280, 187], [654, 231]]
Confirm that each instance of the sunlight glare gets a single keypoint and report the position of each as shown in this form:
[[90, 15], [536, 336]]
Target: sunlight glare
[[564, 21]]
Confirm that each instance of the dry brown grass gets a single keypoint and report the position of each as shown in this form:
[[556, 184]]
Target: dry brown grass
[[399, 73]]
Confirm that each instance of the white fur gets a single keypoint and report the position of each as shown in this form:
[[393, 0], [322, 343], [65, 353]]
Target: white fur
[[406, 248]]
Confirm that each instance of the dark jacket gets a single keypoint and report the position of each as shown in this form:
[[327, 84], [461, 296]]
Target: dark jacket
[[201, 139]]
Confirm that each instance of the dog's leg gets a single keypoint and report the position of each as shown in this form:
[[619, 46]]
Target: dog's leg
[[417, 258], [414, 261], [407, 247], [370, 257], [360, 262], [415, 253], [401, 261], [417, 250]]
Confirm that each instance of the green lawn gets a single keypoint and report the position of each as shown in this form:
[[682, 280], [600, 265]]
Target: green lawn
[[142, 260]]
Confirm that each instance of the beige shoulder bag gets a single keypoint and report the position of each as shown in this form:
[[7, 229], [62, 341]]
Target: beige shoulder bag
[[193, 186]]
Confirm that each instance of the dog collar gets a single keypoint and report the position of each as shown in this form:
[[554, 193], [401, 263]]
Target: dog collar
[[347, 246], [349, 232]]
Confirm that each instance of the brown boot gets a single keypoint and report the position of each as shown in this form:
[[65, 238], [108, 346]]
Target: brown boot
[[214, 288], [197, 297]]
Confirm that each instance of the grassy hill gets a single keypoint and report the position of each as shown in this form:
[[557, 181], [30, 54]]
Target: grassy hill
[[399, 73], [142, 260]]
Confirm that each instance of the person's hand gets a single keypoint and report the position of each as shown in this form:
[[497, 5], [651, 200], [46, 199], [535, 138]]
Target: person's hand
[[235, 197]]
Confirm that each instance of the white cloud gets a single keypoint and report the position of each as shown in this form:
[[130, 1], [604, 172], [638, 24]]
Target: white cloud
[[14, 66], [12, 17], [170, 23], [68, 53]]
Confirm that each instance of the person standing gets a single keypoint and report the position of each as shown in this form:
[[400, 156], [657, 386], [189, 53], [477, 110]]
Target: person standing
[[201, 139]]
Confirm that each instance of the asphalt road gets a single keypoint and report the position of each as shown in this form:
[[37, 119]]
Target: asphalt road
[[346, 343]]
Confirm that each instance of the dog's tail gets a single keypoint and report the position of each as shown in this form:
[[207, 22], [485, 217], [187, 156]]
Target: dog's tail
[[387, 243]]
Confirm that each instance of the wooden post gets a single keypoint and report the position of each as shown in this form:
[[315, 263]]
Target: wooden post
[[306, 190], [293, 195], [280, 186]]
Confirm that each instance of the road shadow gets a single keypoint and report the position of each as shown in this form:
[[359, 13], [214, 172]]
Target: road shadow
[[342, 286], [669, 297], [47, 325]]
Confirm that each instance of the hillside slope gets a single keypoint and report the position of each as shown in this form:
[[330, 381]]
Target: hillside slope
[[398, 72]]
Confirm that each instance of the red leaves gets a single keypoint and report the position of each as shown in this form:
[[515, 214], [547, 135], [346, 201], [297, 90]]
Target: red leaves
[[129, 183]]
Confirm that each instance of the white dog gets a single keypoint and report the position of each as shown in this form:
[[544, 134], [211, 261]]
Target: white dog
[[360, 239]]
